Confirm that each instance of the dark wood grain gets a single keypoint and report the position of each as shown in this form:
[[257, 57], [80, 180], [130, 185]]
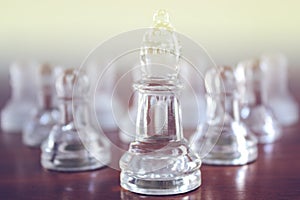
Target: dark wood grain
[[275, 175]]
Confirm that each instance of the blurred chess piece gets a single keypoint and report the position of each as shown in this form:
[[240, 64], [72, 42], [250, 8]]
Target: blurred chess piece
[[73, 143], [38, 127], [224, 139], [105, 103], [128, 122], [24, 85], [256, 113], [192, 99], [281, 101]]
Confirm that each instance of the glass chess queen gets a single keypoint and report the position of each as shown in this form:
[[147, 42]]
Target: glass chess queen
[[159, 161], [73, 144]]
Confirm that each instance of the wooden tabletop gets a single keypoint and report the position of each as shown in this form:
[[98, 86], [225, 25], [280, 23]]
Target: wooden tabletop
[[274, 175]]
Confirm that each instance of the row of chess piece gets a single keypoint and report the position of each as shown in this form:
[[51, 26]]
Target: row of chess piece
[[243, 105], [60, 122], [246, 105]]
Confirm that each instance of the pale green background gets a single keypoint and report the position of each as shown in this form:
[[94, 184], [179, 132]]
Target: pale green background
[[63, 32]]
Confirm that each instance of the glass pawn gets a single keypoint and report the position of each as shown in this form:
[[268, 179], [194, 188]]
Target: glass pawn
[[38, 127], [23, 99], [73, 144], [159, 161], [224, 139], [255, 111], [281, 101]]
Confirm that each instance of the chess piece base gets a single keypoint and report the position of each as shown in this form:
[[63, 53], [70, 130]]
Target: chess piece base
[[235, 145], [65, 151], [177, 185], [263, 124], [163, 169]]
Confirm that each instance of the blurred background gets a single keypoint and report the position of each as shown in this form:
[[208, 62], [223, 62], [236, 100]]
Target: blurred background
[[64, 32]]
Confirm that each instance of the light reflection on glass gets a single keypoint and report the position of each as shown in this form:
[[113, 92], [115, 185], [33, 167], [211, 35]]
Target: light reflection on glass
[[126, 195], [240, 178]]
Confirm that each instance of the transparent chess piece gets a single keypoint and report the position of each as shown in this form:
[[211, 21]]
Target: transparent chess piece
[[255, 111], [23, 99], [73, 144], [192, 101], [159, 161], [102, 87], [280, 99], [224, 139], [38, 127]]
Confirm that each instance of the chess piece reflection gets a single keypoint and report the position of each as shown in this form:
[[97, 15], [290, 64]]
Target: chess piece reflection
[[224, 139], [38, 127], [73, 144], [23, 99], [255, 112], [159, 161]]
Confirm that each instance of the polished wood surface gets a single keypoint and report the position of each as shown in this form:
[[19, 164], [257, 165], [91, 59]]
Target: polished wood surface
[[275, 175]]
